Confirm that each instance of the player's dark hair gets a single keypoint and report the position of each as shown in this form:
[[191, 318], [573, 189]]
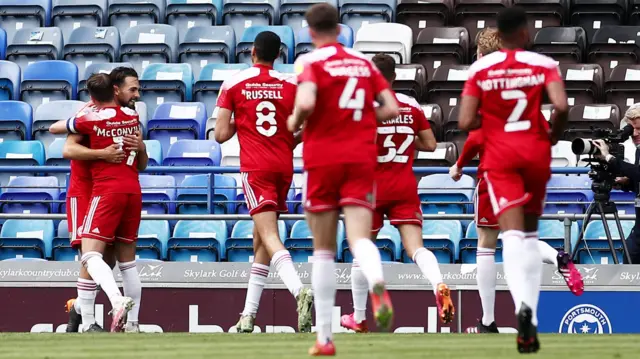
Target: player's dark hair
[[100, 87], [323, 18], [119, 74], [510, 20], [387, 66], [267, 45]]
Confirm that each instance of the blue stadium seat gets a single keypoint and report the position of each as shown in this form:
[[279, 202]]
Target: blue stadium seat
[[126, 14], [193, 153], [36, 192], [3, 44], [304, 45], [49, 113], [389, 244], [26, 239], [577, 189], [149, 44], [300, 245], [48, 81], [35, 45], [153, 238], [243, 51], [292, 12], [10, 76], [154, 151], [23, 14], [187, 14], [162, 83], [15, 120], [469, 246], [54, 157], [195, 189], [239, 247], [598, 247], [552, 232], [204, 45], [243, 14], [210, 80], [61, 246], [356, 13], [92, 45], [104, 68], [624, 201], [197, 241], [287, 69], [442, 237], [442, 193], [68, 15], [157, 193], [20, 153], [175, 121]]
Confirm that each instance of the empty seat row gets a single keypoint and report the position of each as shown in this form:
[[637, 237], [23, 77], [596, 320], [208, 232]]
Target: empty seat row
[[208, 241]]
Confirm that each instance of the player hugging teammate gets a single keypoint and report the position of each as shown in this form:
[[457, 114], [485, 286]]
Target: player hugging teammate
[[105, 192]]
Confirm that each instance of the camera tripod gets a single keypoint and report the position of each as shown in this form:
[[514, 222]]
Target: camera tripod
[[604, 206]]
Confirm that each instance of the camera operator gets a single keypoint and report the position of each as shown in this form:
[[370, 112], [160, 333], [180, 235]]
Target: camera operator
[[631, 176]]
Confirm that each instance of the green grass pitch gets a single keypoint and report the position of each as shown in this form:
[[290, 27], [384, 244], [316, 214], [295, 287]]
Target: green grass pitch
[[272, 346]]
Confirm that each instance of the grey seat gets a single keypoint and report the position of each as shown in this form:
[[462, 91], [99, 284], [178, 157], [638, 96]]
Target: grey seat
[[89, 45], [35, 44], [149, 44], [69, 15], [242, 14], [49, 113], [125, 14], [203, 45], [185, 15], [23, 14]]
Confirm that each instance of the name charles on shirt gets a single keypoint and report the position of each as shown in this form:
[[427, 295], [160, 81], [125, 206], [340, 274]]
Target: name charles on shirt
[[401, 119]]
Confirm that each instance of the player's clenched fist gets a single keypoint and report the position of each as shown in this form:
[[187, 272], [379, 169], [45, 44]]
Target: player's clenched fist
[[113, 154], [292, 124], [455, 172], [133, 142]]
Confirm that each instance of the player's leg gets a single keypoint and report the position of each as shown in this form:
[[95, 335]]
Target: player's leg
[[85, 286], [266, 194], [486, 279], [357, 321], [520, 256], [320, 198], [324, 227], [99, 227], [125, 249], [257, 280], [357, 201], [411, 234], [488, 231]]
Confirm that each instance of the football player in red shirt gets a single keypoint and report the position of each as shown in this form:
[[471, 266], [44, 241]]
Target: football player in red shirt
[[115, 209], [337, 88], [487, 224], [261, 100], [507, 87], [81, 309], [397, 198]]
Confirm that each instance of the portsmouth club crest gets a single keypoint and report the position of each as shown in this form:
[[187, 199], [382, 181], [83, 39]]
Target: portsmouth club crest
[[585, 319]]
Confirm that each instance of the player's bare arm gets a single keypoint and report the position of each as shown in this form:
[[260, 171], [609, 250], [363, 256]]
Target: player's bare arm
[[73, 150], [426, 141], [388, 108], [225, 128], [560, 114], [304, 106], [467, 117], [59, 128]]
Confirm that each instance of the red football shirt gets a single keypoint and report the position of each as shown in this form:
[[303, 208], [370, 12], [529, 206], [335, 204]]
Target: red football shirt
[[261, 99], [396, 150], [510, 85], [342, 129], [80, 183], [105, 127]]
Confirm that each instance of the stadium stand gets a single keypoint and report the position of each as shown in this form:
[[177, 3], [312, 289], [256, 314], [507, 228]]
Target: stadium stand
[[183, 50]]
